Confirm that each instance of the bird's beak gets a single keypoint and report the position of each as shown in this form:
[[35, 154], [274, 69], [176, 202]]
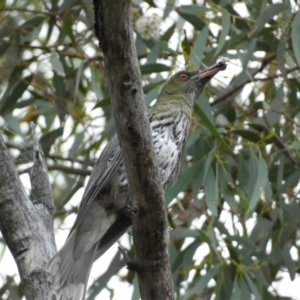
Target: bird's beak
[[210, 72]]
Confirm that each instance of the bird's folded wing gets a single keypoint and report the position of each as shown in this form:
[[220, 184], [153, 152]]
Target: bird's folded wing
[[105, 168]]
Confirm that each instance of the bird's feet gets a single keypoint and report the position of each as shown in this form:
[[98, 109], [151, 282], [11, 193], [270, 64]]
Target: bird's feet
[[129, 211]]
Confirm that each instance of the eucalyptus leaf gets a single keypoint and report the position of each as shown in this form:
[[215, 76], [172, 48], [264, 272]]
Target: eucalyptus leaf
[[296, 37], [48, 139], [154, 68], [17, 92], [225, 25], [202, 283]]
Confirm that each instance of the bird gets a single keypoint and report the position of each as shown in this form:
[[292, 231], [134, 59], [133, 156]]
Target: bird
[[101, 220]]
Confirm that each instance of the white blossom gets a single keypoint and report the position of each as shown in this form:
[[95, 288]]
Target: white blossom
[[148, 26]]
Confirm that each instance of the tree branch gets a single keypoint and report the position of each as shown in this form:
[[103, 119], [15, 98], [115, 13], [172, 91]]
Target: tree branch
[[56, 167], [150, 227], [70, 170], [24, 230], [277, 75], [235, 87], [71, 159], [41, 193]]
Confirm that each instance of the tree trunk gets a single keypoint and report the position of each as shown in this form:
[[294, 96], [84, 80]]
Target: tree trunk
[[150, 227]]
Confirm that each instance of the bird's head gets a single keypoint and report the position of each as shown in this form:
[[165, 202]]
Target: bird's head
[[189, 85]]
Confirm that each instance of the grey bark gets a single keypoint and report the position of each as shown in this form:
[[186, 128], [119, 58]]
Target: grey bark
[[27, 226], [150, 228]]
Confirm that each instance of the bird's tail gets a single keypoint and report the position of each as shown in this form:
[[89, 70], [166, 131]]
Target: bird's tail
[[68, 277]]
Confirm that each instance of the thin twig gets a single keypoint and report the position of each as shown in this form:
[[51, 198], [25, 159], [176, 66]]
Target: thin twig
[[127, 258], [277, 75], [70, 170], [234, 88]]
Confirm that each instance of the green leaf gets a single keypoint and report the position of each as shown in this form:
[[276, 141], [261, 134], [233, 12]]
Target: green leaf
[[31, 28], [296, 37], [154, 68], [252, 286], [186, 48], [17, 92], [162, 46], [67, 3], [61, 93], [276, 109], [152, 95], [183, 232], [191, 18], [210, 126], [226, 275], [261, 232], [3, 48], [95, 83], [267, 15], [225, 27], [57, 65], [68, 23], [152, 85], [202, 282], [8, 24], [211, 191], [194, 136], [203, 236], [196, 184], [258, 178], [260, 277], [286, 255], [78, 78], [48, 139], [77, 145], [236, 292], [193, 9], [205, 106], [199, 48], [248, 134], [209, 160], [245, 291], [27, 102], [251, 48], [136, 291], [183, 181], [243, 241], [54, 5], [168, 33], [13, 124], [153, 55], [280, 54], [10, 62]]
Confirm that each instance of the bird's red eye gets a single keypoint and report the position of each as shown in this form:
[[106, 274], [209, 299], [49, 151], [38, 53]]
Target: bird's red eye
[[182, 76]]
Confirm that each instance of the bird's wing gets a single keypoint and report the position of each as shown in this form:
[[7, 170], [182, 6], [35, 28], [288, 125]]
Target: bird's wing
[[69, 268], [105, 168]]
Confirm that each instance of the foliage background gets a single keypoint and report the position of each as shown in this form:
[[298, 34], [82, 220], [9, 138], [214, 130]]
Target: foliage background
[[234, 209]]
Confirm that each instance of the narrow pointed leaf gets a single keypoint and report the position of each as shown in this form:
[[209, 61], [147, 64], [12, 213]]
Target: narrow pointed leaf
[[154, 68], [210, 126], [296, 37]]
